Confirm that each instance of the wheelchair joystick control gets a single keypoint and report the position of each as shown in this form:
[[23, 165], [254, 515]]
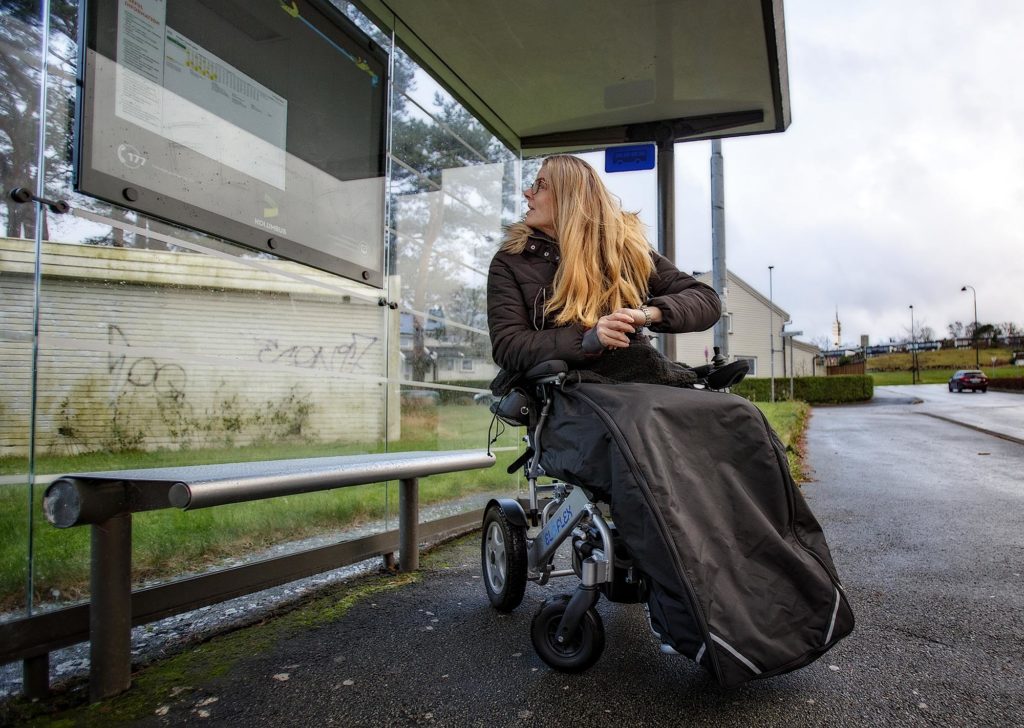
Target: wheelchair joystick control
[[718, 360]]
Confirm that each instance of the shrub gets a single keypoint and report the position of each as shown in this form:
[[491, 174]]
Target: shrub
[[451, 396], [1007, 384], [813, 390]]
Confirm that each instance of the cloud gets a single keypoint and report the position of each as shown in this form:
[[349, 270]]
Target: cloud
[[900, 179]]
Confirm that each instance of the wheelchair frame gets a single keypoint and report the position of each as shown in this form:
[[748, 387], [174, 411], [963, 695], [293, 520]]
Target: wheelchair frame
[[567, 631]]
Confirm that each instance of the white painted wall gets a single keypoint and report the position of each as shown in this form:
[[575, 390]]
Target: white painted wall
[[184, 349]]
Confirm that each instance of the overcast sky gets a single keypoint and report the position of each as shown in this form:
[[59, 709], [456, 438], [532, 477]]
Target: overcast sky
[[900, 179]]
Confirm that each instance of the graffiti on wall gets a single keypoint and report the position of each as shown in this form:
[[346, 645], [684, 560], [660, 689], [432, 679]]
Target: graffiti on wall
[[167, 380], [154, 401], [346, 357]]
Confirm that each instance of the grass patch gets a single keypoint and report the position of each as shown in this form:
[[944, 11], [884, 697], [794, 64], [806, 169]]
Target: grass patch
[[951, 359], [789, 420], [938, 376], [452, 427]]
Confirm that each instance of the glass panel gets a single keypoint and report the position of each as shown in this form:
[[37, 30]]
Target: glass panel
[[261, 124], [19, 149], [160, 346], [453, 186]]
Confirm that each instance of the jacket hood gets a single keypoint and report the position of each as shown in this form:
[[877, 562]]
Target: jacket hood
[[518, 233]]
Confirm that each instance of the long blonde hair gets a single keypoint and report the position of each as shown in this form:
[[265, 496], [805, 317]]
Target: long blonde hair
[[606, 259]]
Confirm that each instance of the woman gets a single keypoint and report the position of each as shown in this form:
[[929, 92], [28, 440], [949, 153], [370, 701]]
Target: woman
[[577, 278], [738, 575]]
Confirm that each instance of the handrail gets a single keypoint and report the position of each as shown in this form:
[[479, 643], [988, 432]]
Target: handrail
[[87, 498], [106, 501]]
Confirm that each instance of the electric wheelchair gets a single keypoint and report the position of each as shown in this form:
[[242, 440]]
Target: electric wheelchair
[[518, 545]]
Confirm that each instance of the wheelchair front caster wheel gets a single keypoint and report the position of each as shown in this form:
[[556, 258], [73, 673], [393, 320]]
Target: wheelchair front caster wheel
[[503, 560], [582, 649]]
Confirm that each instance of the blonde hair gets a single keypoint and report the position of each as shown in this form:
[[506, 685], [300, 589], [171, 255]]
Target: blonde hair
[[606, 259]]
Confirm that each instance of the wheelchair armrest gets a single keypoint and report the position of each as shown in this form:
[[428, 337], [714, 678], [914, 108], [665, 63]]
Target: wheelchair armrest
[[703, 370], [729, 375], [550, 368]]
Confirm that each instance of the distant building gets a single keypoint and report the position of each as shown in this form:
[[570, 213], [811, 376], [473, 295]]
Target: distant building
[[837, 331], [749, 326], [452, 357]]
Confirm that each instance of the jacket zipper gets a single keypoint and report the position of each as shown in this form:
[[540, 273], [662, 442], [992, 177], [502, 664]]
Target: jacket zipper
[[543, 295], [634, 469]]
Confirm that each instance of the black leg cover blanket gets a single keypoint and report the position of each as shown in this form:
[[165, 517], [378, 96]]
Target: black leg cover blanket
[[741, 578]]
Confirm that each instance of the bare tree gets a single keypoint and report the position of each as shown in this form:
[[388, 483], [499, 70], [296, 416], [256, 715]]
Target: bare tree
[[437, 262], [20, 79]]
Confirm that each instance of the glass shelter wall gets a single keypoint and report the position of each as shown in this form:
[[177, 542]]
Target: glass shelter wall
[[159, 345], [20, 77]]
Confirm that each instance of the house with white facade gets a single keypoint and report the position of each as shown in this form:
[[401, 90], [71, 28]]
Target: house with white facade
[[751, 320]]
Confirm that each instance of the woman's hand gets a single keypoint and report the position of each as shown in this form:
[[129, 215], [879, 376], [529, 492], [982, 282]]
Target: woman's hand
[[612, 329]]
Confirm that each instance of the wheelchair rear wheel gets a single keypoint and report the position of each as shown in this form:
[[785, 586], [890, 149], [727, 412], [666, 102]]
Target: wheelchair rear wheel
[[577, 654], [503, 560]]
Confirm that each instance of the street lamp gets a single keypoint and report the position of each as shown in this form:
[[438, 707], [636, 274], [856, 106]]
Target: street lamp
[[977, 359], [771, 330], [913, 349]]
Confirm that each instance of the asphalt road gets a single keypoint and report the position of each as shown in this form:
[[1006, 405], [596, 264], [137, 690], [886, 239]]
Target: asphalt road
[[924, 518], [998, 412]]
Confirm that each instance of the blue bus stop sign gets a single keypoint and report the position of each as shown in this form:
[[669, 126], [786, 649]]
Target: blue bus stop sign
[[629, 159]]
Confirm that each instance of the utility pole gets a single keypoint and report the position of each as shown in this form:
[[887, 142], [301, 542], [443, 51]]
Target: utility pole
[[719, 272], [977, 358], [667, 217], [771, 329], [913, 349]]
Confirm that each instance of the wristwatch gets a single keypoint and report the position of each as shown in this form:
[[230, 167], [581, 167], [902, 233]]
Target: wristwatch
[[647, 315]]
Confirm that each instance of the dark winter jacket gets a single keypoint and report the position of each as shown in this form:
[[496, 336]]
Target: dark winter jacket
[[518, 286]]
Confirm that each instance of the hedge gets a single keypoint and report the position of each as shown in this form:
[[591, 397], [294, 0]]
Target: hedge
[[452, 396], [813, 390], [1008, 384]]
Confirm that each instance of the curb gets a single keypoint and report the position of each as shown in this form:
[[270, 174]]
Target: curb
[[993, 433]]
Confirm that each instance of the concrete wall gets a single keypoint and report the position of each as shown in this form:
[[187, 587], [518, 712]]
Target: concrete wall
[[166, 350]]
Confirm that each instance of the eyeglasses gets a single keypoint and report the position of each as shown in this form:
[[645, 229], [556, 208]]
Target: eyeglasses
[[538, 185]]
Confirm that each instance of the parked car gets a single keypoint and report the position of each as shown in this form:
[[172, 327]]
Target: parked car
[[972, 379]]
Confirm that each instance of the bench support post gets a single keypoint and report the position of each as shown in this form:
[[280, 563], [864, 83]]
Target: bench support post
[[35, 673], [408, 524], [110, 611]]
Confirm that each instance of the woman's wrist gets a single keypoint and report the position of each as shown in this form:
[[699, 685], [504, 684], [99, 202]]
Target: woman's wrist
[[591, 344]]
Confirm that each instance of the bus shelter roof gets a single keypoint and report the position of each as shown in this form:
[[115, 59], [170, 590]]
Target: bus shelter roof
[[546, 75]]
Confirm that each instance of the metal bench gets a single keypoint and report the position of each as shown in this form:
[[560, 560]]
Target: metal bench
[[106, 501]]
